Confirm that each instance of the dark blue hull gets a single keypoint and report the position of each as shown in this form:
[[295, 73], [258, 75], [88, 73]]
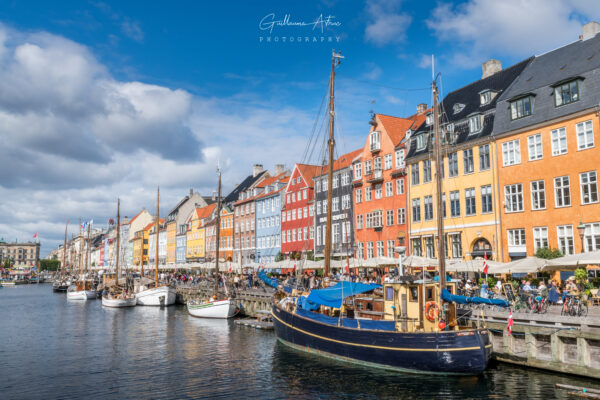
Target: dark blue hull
[[452, 352]]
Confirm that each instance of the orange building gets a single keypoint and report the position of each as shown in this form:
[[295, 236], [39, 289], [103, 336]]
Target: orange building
[[380, 186], [548, 144]]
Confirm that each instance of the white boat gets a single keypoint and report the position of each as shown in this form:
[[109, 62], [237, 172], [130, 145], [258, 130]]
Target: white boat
[[9, 283], [80, 294], [213, 309], [118, 302], [156, 296]]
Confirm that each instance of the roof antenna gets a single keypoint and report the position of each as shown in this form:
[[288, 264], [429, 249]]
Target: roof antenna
[[372, 121]]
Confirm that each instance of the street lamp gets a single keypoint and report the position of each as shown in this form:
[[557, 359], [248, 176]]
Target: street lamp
[[581, 230]]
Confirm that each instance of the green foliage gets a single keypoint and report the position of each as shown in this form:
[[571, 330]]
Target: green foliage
[[535, 282], [310, 256], [516, 285], [6, 264], [279, 257], [480, 281], [547, 253], [50, 265], [580, 276], [491, 281], [595, 282]]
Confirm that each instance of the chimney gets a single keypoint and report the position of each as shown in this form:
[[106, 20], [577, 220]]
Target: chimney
[[279, 168], [589, 30], [257, 169], [421, 108], [490, 67]]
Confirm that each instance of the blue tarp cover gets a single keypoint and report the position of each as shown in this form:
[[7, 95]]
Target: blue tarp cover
[[349, 322], [447, 296], [334, 295], [269, 281]]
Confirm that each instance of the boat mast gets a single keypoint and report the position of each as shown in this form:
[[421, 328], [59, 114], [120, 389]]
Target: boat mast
[[335, 58], [156, 241], [64, 253], [81, 232], [118, 238], [438, 182], [87, 250], [218, 230]]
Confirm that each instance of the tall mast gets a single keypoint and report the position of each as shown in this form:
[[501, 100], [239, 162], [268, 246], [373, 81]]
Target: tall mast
[[438, 182], [87, 249], [142, 252], [156, 240], [218, 231], [81, 232], [331, 145], [64, 253], [118, 238]]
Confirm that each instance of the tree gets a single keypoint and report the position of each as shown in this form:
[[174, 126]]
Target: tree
[[548, 253], [279, 257], [50, 265]]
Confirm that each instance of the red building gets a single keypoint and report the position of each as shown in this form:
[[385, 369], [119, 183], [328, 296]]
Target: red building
[[297, 211], [380, 186]]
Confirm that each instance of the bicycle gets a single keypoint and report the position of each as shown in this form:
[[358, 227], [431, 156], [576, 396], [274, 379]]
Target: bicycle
[[579, 308], [538, 304]]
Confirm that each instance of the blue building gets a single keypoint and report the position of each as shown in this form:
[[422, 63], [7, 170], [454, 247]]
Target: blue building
[[180, 248], [268, 214]]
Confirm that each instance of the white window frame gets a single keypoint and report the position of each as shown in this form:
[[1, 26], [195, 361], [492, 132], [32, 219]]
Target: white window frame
[[558, 139], [400, 186], [540, 238], [513, 192], [565, 240], [534, 147], [511, 152], [588, 183], [400, 163], [387, 161], [560, 189], [585, 135], [538, 192], [389, 189]]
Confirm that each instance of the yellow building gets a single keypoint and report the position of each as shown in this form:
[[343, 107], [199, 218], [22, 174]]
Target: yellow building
[[469, 194], [196, 234], [138, 245], [171, 241]]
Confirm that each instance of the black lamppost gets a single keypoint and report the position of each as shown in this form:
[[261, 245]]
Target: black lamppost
[[581, 230]]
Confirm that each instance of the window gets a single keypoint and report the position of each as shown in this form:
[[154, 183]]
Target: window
[[559, 141], [426, 171], [511, 152], [513, 198], [416, 210], [534, 142], [378, 191], [345, 202], [317, 185], [377, 163], [443, 205], [294, 197], [452, 164], [562, 192], [324, 184], [346, 231], [387, 161], [400, 159], [369, 249], [521, 108], [318, 237], [468, 161], [401, 216], [389, 189], [367, 194], [591, 237], [456, 245], [400, 186], [305, 212], [564, 234], [470, 201], [389, 217], [516, 237], [589, 187], [293, 215], [585, 135], [358, 195], [311, 211], [374, 139], [380, 248], [324, 207], [318, 209], [335, 204], [416, 245], [540, 238], [336, 181], [485, 97], [566, 93], [421, 141], [359, 221], [428, 207], [304, 193], [414, 171], [357, 171], [455, 203], [538, 195], [346, 178], [375, 219], [390, 248], [486, 199], [484, 157], [361, 250], [429, 247], [474, 124]]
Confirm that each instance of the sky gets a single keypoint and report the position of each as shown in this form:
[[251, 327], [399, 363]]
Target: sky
[[106, 100]]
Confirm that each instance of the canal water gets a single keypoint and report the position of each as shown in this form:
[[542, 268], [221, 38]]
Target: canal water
[[51, 348]]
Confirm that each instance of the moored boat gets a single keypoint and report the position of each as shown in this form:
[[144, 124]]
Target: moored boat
[[81, 290], [213, 309], [156, 296], [119, 301]]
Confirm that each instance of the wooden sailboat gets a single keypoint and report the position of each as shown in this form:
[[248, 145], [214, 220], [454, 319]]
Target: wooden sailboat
[[419, 330], [59, 284], [83, 288], [118, 296], [158, 295], [217, 306]]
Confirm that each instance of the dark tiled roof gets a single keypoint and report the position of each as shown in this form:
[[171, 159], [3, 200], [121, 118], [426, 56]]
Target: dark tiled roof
[[578, 59], [469, 96], [246, 183]]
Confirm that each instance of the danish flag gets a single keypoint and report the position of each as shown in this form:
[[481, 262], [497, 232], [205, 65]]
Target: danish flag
[[510, 323], [485, 264]]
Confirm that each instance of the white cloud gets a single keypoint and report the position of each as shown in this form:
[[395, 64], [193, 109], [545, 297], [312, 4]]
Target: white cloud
[[479, 29], [132, 30], [386, 23], [374, 71]]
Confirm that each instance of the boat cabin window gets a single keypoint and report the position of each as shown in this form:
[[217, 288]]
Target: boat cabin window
[[429, 294], [414, 293], [389, 293]]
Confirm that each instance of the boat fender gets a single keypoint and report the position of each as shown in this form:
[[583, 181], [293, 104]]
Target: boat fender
[[431, 311]]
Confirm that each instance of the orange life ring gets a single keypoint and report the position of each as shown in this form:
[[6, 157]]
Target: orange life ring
[[431, 311]]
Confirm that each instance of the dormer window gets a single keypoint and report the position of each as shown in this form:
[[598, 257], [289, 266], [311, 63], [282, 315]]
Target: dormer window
[[521, 107], [474, 124], [565, 93], [421, 141], [458, 107], [485, 97], [429, 118], [408, 133]]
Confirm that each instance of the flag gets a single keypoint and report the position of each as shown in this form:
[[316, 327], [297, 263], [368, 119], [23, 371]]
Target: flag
[[485, 264], [35, 235], [294, 268], [510, 323]]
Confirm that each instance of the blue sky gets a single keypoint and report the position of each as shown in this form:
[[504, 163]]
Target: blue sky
[[107, 99]]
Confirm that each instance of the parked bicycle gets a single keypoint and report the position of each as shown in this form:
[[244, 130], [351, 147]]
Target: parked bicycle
[[538, 304], [574, 306]]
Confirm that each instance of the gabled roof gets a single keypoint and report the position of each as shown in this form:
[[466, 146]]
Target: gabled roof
[[343, 161], [246, 183], [175, 209], [137, 215], [153, 223], [308, 172], [205, 212], [271, 180], [396, 127]]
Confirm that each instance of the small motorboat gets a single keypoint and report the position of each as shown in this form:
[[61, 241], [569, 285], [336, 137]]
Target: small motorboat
[[156, 296], [81, 291], [119, 301], [213, 308]]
